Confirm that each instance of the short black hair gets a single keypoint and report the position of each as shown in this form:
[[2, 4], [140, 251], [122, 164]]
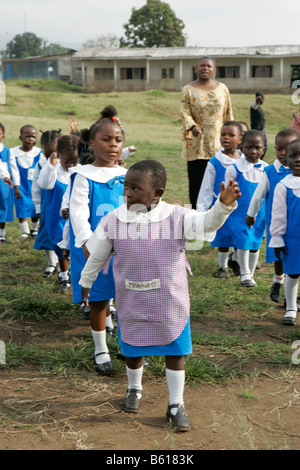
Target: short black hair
[[259, 93], [50, 136], [297, 141], [235, 124], [106, 117], [251, 133], [155, 169], [27, 126], [287, 133], [2, 127]]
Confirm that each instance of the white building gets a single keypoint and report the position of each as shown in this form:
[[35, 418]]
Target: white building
[[243, 69]]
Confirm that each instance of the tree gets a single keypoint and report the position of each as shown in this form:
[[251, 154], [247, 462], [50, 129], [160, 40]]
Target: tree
[[24, 45], [106, 41], [153, 25]]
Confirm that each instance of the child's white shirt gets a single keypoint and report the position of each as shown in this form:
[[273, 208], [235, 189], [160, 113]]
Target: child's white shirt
[[250, 172], [25, 159], [278, 225], [14, 172], [50, 173], [35, 188]]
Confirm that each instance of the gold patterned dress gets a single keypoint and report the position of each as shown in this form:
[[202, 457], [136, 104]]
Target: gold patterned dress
[[208, 109]]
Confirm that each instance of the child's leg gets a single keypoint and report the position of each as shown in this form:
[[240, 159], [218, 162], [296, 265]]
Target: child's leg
[[291, 291], [223, 255], [278, 281], [134, 370], [175, 375], [34, 223], [24, 229], [51, 263], [243, 260], [64, 277], [102, 360], [253, 259], [109, 326], [2, 232]]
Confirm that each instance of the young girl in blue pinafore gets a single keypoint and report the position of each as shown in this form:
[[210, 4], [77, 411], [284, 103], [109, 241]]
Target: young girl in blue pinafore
[[248, 172], [231, 138], [39, 197], [265, 190], [9, 185], [55, 177], [147, 238], [95, 190], [285, 229], [27, 156]]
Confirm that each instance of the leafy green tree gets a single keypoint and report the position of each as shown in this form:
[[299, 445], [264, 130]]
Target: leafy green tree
[[153, 25], [24, 45]]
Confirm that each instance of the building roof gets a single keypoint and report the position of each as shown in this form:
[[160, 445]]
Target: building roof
[[186, 52]]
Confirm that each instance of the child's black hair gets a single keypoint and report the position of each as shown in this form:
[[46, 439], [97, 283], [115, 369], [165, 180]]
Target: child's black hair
[[49, 137], [235, 124], [157, 172], [68, 142], [252, 133], [2, 127], [27, 126], [107, 114], [293, 142], [287, 133]]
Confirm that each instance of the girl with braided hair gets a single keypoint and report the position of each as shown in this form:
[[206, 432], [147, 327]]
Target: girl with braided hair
[[97, 189]]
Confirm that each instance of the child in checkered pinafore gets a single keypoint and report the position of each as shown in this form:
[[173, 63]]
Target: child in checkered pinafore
[[146, 237]]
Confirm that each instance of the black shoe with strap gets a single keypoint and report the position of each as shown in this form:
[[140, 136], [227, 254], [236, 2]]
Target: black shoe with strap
[[179, 421], [106, 368], [132, 402]]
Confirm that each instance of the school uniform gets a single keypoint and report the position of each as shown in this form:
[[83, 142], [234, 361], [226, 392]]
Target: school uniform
[[8, 170], [94, 191], [285, 222], [26, 162], [149, 266], [210, 190], [273, 174], [248, 176]]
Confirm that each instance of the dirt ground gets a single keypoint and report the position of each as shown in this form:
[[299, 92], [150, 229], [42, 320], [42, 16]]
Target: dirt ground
[[85, 412]]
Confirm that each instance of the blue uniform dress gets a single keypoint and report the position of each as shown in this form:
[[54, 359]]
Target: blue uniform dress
[[6, 193], [54, 221], [223, 236], [100, 194], [291, 262], [25, 206], [246, 238], [274, 177], [42, 240]]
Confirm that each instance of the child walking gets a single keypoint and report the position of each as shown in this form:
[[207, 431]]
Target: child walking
[[55, 177], [147, 238], [265, 191], [27, 156], [231, 138], [248, 172], [95, 190], [285, 229], [9, 187], [39, 197]]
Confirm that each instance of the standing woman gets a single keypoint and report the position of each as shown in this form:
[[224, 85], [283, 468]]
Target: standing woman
[[205, 105]]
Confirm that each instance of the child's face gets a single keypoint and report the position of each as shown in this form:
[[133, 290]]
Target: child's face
[[68, 159], [120, 161], [253, 148], [28, 138], [230, 138], [244, 128], [280, 147], [138, 189], [293, 158], [48, 149], [107, 144]]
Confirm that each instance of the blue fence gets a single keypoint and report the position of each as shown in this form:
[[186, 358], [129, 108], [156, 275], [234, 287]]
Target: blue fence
[[29, 69]]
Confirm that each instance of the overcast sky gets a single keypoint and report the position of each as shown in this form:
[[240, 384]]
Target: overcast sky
[[213, 23]]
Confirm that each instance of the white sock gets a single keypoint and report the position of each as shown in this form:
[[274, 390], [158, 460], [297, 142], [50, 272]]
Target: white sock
[[64, 275], [134, 377], [253, 259], [243, 260], [234, 255], [291, 292], [223, 259], [25, 227], [109, 322], [99, 338], [175, 381], [34, 225], [278, 278], [51, 258], [2, 233]]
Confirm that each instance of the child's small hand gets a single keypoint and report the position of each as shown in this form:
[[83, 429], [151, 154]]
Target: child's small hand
[[53, 158], [8, 181], [85, 295], [18, 194], [280, 250], [74, 124], [230, 194], [85, 251], [65, 213], [250, 221], [132, 149]]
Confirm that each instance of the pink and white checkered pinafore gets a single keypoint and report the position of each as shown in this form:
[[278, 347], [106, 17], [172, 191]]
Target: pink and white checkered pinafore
[[150, 272]]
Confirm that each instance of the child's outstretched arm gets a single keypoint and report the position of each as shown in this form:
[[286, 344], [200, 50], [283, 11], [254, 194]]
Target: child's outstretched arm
[[229, 194]]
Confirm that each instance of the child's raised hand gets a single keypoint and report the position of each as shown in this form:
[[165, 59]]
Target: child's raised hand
[[53, 158], [230, 194], [74, 124], [250, 221]]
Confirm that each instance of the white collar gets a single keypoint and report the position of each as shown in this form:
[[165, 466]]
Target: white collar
[[1, 146], [225, 160], [278, 165], [101, 174], [291, 182], [158, 213], [32, 153], [243, 165]]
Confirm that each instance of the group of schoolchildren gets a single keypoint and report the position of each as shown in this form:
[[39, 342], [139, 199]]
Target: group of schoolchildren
[[73, 190]]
